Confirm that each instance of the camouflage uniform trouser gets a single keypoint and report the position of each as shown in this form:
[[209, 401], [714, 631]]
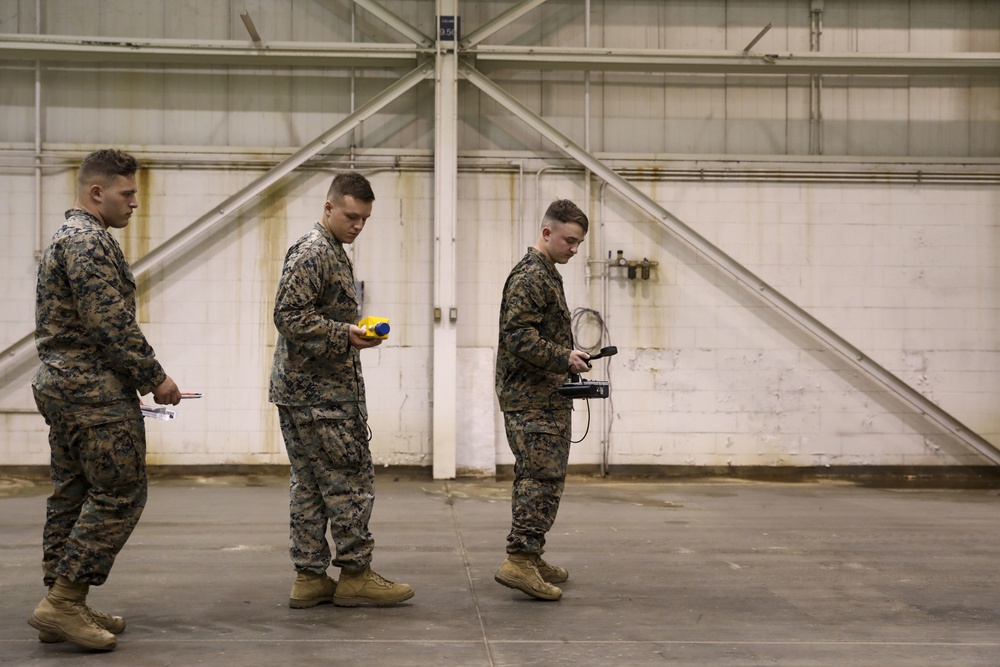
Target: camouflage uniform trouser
[[540, 440], [98, 469], [332, 483]]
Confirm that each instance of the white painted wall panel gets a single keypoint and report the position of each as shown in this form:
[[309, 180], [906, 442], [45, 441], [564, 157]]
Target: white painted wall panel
[[706, 376]]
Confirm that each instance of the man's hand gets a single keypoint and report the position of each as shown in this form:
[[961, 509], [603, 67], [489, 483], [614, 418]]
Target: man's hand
[[578, 362], [167, 393], [358, 341]]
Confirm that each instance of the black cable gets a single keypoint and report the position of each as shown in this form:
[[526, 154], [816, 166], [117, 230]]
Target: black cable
[[603, 334], [573, 442], [357, 396], [604, 338]]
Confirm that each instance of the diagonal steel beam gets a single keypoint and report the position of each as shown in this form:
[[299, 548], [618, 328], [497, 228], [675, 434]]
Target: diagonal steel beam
[[185, 239], [396, 23], [207, 223], [739, 273], [499, 23]]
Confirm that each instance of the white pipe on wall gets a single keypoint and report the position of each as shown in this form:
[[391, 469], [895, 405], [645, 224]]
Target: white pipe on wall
[[39, 226]]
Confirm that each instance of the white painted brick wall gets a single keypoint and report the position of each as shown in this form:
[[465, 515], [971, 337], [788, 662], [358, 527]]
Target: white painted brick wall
[[705, 375]]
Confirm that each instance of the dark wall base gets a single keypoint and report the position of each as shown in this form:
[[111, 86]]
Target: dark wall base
[[959, 477]]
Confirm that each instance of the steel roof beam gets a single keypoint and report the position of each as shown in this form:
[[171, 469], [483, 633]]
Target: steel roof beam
[[208, 53], [710, 62], [736, 271]]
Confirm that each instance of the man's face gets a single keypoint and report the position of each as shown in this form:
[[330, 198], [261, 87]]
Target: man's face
[[346, 217], [116, 200], [561, 241]]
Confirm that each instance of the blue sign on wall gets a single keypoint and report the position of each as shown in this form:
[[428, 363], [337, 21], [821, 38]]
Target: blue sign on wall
[[449, 28]]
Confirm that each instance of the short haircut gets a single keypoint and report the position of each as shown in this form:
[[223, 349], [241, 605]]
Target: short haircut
[[563, 210], [104, 165], [351, 184]]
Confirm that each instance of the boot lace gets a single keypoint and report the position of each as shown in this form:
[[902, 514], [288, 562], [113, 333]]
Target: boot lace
[[89, 615], [379, 579], [99, 616]]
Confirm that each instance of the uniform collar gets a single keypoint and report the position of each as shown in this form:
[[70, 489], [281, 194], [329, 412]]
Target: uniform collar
[[539, 256], [328, 235], [87, 216]]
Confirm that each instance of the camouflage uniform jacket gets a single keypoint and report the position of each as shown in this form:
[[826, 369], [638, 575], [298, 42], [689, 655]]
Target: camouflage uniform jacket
[[88, 340], [535, 337], [314, 362]]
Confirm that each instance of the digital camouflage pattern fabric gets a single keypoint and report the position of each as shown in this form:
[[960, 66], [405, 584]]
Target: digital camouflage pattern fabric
[[94, 359], [330, 463], [316, 382], [532, 356], [99, 473], [535, 337], [89, 343], [540, 441], [316, 303]]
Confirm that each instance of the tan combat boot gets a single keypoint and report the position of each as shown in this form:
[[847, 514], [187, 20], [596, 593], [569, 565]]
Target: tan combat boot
[[113, 624], [64, 616], [553, 574], [520, 572], [368, 588], [311, 589]]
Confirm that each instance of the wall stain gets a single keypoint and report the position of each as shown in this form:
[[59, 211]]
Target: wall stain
[[135, 243], [273, 229]]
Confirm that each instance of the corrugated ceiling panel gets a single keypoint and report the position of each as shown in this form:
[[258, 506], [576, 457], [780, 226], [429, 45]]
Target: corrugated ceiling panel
[[755, 112], [17, 104], [984, 124], [629, 112], [875, 117], [938, 123]]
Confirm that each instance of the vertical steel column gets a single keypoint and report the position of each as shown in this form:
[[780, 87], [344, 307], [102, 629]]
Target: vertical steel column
[[39, 226], [445, 361]]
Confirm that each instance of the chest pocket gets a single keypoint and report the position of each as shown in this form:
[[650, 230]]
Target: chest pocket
[[339, 301]]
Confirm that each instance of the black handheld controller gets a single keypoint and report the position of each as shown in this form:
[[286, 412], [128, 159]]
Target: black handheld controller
[[579, 388]]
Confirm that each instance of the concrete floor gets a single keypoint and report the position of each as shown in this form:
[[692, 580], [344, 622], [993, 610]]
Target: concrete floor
[[682, 573]]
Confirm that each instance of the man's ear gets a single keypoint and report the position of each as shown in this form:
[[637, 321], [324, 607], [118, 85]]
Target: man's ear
[[96, 192]]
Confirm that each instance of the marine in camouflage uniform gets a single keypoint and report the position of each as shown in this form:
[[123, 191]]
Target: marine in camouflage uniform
[[318, 387], [94, 360], [535, 355]]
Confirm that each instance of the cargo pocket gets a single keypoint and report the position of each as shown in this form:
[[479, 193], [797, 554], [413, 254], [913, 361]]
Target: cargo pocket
[[546, 443], [337, 430], [113, 453]]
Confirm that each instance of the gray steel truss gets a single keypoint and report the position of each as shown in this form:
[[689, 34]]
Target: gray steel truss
[[185, 239], [736, 271]]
